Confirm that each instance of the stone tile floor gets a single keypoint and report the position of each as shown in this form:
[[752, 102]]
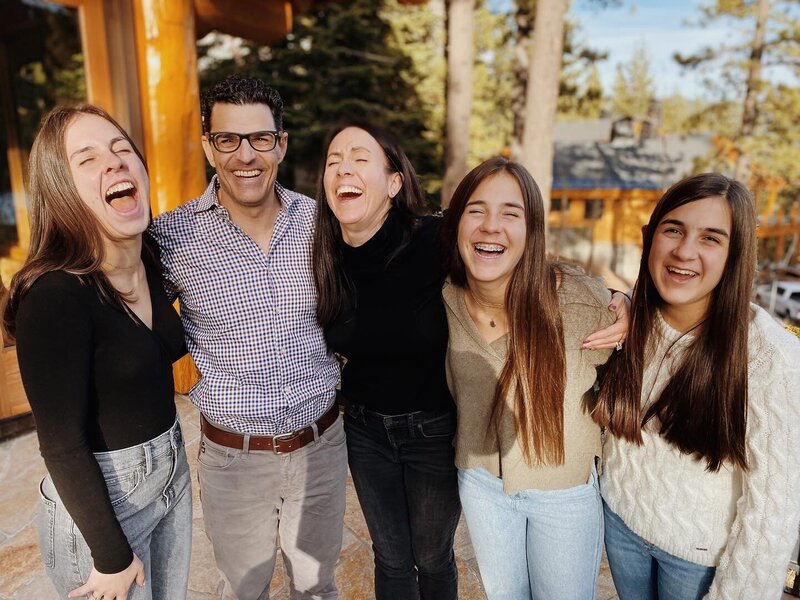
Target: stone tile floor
[[22, 576]]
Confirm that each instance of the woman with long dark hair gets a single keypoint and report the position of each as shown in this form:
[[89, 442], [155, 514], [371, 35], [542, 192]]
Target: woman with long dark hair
[[526, 448], [379, 285], [96, 339], [701, 481]]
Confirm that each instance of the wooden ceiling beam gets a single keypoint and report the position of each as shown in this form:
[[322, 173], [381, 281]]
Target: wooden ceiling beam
[[261, 21]]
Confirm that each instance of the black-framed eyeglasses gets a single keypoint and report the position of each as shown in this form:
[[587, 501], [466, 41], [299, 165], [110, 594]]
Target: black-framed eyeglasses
[[260, 141]]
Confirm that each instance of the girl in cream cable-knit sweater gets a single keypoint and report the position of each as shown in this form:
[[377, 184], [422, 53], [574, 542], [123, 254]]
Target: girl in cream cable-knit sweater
[[701, 480]]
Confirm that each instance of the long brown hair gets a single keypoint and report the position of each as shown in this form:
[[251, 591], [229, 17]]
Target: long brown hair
[[535, 368], [333, 288], [65, 234], [703, 408]]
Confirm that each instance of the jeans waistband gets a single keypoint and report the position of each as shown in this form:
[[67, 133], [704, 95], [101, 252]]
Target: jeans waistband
[[163, 444], [359, 411]]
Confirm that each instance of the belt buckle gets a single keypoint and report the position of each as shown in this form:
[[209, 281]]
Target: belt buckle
[[279, 437]]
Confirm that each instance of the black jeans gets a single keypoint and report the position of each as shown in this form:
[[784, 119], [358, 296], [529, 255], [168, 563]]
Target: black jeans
[[404, 474]]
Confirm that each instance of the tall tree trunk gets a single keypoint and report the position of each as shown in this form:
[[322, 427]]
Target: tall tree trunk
[[460, 26], [523, 22], [542, 93], [750, 112]]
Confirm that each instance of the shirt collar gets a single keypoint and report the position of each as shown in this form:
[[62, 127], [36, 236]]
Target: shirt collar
[[209, 199]]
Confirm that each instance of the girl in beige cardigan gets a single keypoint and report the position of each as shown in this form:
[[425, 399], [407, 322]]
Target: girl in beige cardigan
[[525, 447]]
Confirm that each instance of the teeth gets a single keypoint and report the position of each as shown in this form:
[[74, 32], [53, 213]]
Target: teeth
[[490, 247], [680, 271], [250, 173], [348, 189], [119, 187]]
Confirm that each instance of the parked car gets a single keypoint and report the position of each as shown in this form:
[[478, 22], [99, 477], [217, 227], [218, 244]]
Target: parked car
[[787, 298]]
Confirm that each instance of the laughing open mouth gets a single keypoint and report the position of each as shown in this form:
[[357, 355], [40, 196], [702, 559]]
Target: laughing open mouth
[[247, 174], [489, 250], [682, 272], [348, 192], [121, 195]]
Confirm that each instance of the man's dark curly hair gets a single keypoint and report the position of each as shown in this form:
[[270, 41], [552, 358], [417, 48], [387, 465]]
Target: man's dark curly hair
[[237, 89]]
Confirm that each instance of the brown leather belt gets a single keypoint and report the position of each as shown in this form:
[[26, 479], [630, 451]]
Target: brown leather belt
[[280, 444]]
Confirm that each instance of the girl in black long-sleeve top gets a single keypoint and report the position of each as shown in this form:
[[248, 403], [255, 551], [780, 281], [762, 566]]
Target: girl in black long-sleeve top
[[96, 339]]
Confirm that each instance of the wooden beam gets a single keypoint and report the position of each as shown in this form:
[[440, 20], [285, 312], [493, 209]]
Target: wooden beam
[[170, 100], [92, 21], [261, 21]]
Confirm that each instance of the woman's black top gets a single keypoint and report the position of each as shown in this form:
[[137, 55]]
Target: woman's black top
[[394, 335], [97, 379]]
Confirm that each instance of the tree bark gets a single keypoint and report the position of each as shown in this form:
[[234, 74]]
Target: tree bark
[[750, 112], [542, 93], [523, 19], [460, 34]]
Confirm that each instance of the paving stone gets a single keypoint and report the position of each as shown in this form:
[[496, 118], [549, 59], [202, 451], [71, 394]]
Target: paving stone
[[192, 595], [38, 588], [279, 583], [354, 574], [605, 585], [5, 459], [469, 582], [204, 576], [462, 543], [19, 501], [24, 458], [21, 561], [353, 517]]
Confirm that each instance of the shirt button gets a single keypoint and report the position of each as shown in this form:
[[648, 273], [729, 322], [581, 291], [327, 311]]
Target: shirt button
[[287, 390]]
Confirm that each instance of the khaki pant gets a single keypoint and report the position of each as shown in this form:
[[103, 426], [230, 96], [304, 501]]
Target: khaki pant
[[255, 501]]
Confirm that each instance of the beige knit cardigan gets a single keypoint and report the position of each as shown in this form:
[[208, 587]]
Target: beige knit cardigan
[[473, 368]]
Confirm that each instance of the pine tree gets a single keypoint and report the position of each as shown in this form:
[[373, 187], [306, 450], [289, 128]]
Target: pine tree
[[634, 90], [760, 116], [340, 60]]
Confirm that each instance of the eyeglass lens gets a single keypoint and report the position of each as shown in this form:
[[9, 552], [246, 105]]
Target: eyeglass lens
[[261, 141]]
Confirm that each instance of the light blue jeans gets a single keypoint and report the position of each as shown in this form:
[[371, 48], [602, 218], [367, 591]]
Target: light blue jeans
[[150, 489], [642, 571], [534, 545]]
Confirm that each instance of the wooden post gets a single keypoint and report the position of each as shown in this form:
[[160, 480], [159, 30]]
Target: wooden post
[[170, 100]]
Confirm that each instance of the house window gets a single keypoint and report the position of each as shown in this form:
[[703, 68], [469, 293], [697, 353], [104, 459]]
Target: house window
[[559, 204], [593, 209], [41, 65]]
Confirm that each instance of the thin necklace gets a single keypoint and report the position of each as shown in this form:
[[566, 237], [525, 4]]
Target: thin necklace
[[485, 305], [123, 268]]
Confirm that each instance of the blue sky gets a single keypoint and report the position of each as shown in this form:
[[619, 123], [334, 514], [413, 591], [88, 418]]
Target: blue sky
[[666, 26]]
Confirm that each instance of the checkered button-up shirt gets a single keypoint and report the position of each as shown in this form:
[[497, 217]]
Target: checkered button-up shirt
[[249, 316]]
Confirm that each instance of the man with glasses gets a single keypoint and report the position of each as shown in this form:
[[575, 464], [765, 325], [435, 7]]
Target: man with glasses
[[272, 461]]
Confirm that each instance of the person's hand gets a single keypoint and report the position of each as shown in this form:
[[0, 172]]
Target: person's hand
[[613, 335], [111, 586]]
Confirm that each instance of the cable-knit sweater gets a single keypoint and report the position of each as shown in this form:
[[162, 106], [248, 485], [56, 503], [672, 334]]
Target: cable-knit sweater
[[473, 368], [743, 522]]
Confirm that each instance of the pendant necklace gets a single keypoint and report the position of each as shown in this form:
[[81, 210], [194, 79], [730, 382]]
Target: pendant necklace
[[486, 305]]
